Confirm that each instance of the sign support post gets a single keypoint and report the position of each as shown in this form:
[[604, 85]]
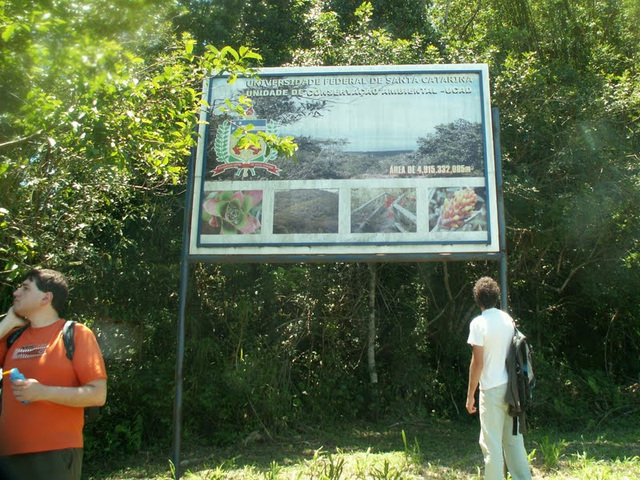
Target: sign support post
[[504, 293], [184, 286]]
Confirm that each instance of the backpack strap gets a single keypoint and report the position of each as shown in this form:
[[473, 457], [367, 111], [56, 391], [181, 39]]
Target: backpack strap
[[67, 337], [13, 336]]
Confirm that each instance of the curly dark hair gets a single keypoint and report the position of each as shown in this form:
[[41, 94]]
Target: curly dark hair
[[486, 292]]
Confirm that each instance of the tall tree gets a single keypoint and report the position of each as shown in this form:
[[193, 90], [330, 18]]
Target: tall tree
[[275, 27]]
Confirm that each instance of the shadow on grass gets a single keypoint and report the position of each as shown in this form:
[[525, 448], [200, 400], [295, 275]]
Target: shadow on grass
[[434, 446], [612, 442], [446, 443]]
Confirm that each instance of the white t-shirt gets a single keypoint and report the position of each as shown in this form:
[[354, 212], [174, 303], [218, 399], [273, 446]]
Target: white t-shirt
[[492, 330]]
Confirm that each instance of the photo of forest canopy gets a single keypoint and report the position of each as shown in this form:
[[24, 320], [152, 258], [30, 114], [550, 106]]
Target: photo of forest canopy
[[305, 211]]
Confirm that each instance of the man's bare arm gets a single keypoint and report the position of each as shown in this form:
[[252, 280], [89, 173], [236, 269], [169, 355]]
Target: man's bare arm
[[92, 394], [475, 370]]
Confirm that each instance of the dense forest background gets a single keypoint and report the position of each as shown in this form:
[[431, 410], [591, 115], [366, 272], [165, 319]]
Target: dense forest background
[[97, 104]]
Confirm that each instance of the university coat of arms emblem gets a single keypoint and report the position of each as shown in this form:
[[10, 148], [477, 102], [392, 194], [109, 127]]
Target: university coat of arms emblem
[[244, 161]]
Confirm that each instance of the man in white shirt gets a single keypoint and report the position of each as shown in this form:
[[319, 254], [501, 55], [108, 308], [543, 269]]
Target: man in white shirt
[[490, 335]]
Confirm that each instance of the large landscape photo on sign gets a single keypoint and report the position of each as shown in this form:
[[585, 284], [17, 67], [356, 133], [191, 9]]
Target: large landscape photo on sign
[[397, 160]]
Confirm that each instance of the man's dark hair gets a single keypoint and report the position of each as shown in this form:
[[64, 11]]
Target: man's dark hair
[[486, 292], [54, 282]]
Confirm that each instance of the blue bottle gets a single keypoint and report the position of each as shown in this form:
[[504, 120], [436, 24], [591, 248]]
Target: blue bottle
[[15, 374]]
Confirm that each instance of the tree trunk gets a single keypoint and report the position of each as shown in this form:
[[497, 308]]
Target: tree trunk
[[371, 337]]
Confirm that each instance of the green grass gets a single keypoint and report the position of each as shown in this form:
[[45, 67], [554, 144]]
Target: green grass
[[402, 451]]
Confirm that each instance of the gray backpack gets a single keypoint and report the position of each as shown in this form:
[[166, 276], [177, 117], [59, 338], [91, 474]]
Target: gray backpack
[[521, 380]]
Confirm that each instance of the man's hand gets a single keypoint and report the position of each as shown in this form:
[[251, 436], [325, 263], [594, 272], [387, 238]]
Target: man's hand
[[475, 370], [28, 390], [13, 320], [10, 322], [471, 405]]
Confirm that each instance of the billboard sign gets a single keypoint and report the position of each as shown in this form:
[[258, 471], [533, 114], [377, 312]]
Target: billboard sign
[[392, 161]]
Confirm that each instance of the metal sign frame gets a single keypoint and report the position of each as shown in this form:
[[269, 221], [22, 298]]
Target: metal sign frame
[[362, 186]]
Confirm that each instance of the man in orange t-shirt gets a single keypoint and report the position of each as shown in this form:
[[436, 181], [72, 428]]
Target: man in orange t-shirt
[[43, 415]]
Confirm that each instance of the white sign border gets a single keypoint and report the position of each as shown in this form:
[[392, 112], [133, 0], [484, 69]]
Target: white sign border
[[322, 246]]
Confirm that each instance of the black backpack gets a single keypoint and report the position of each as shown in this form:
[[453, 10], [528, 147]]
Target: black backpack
[[91, 414], [521, 380]]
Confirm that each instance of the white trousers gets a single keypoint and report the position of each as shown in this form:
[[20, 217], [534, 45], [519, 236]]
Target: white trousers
[[496, 437]]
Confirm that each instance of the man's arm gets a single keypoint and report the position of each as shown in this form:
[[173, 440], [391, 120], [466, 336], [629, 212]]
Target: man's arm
[[92, 394], [475, 369]]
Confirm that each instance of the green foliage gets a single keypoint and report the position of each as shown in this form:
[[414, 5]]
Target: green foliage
[[98, 104], [93, 157], [358, 42], [551, 451], [375, 451], [412, 451], [570, 397], [91, 146], [275, 27], [386, 472], [460, 141], [570, 166]]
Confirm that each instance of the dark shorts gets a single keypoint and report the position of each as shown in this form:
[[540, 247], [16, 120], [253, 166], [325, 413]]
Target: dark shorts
[[53, 465]]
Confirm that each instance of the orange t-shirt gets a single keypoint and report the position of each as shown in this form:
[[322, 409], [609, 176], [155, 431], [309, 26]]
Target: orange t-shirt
[[40, 353]]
